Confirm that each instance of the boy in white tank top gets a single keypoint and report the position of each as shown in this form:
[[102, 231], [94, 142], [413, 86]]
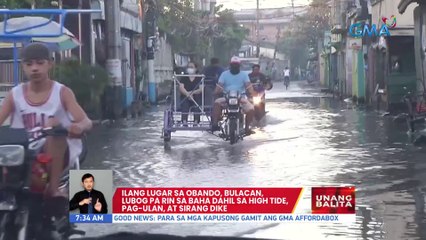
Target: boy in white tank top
[[42, 102]]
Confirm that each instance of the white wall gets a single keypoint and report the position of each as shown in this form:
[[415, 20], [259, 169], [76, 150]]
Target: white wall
[[388, 8], [163, 62], [269, 52]]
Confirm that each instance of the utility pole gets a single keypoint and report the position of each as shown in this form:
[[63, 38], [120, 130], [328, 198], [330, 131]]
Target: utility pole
[[212, 23], [80, 6], [150, 38], [113, 64], [277, 41], [139, 78], [292, 5], [92, 41], [60, 6], [257, 30]]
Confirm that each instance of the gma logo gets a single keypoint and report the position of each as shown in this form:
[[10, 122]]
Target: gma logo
[[358, 30]]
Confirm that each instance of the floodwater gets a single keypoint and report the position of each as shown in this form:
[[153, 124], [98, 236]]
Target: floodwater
[[306, 140]]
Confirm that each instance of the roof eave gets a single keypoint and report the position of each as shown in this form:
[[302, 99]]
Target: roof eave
[[403, 5]]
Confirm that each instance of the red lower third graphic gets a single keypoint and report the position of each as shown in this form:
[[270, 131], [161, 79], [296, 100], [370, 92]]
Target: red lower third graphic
[[333, 200], [205, 200]]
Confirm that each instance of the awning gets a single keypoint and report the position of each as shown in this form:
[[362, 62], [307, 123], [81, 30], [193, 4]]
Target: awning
[[98, 5], [9, 45], [130, 22], [337, 29], [401, 32], [403, 4]]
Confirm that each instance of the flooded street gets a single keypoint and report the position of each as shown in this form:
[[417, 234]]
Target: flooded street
[[308, 140]]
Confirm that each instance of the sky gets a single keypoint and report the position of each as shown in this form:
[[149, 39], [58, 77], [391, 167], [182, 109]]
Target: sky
[[241, 4]]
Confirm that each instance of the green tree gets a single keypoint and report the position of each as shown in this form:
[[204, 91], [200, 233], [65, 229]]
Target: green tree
[[229, 35], [190, 32], [182, 25], [304, 32], [24, 4], [87, 82], [14, 4]]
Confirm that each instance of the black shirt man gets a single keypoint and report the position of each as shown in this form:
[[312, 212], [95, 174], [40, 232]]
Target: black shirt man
[[89, 201]]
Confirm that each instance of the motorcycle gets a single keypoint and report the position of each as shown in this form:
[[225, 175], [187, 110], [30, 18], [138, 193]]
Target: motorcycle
[[259, 101], [24, 214], [232, 125]]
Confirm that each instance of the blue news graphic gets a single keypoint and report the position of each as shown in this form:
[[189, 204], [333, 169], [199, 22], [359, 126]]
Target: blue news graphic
[[91, 218]]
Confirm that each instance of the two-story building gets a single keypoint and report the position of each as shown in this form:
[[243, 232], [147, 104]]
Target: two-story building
[[419, 17], [273, 22], [393, 66], [361, 66]]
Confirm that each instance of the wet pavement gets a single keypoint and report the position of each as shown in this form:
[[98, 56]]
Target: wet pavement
[[307, 139]]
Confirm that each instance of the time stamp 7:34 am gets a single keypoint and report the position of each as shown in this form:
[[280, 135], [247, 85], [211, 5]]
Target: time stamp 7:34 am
[[90, 218]]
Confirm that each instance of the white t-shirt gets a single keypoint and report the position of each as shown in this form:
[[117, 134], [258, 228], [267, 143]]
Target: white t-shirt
[[29, 115], [287, 72]]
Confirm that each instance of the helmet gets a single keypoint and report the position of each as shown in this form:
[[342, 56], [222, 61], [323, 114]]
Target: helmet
[[235, 59]]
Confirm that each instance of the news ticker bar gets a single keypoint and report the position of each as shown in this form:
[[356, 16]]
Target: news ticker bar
[[210, 218]]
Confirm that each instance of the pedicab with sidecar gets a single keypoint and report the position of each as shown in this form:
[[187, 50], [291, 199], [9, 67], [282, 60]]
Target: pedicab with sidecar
[[232, 120]]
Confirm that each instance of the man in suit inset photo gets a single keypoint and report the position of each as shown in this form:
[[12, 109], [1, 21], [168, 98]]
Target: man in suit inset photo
[[89, 201]]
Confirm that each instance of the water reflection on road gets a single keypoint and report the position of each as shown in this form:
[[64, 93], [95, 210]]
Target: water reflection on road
[[307, 140]]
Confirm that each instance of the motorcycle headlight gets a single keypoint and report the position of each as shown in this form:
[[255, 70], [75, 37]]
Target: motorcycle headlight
[[257, 100], [233, 101], [233, 94], [11, 155]]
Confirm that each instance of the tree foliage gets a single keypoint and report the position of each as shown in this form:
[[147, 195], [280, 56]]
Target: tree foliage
[[24, 4], [87, 82], [191, 32], [305, 31], [178, 19], [230, 36], [15, 4]]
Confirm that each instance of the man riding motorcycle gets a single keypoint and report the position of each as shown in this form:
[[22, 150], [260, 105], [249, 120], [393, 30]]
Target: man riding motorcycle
[[256, 76], [233, 80], [260, 83], [42, 102]]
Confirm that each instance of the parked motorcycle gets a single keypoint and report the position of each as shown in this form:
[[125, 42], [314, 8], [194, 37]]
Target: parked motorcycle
[[232, 125], [24, 213], [416, 108]]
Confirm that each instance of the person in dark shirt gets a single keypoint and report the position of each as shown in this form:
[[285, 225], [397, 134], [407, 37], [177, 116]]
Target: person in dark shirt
[[89, 200], [256, 75], [187, 85], [213, 71], [212, 74]]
